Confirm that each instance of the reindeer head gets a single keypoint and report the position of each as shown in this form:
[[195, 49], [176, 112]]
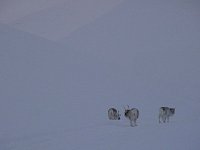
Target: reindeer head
[[126, 111], [172, 110]]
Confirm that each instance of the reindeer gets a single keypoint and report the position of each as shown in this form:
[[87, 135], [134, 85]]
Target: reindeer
[[113, 114], [132, 114], [165, 113]]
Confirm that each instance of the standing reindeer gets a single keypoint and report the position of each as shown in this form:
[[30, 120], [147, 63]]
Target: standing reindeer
[[132, 114], [165, 113]]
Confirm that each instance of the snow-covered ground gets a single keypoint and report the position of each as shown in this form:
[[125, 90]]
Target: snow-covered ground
[[55, 90]]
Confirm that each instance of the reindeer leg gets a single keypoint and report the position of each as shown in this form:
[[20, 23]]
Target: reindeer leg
[[168, 119], [135, 123], [159, 119], [131, 123], [164, 119]]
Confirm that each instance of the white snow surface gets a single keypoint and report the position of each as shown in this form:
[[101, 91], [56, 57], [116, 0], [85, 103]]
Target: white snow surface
[[55, 91]]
